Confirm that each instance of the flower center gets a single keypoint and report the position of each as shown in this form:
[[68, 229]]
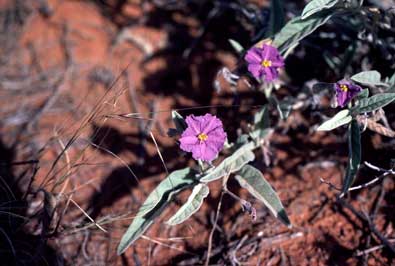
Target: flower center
[[344, 87], [266, 63], [202, 137]]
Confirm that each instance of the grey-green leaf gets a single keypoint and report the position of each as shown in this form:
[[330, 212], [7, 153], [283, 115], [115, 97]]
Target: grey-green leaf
[[277, 18], [372, 77], [363, 94], [375, 102], [315, 6], [341, 118], [391, 80], [233, 163], [261, 118], [237, 46], [155, 204], [296, 29], [284, 107], [172, 181], [261, 123], [178, 121], [354, 154], [195, 200], [252, 179]]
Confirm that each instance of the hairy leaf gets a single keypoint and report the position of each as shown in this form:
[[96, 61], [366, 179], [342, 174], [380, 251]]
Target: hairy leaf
[[277, 18], [391, 80], [155, 204], [369, 78], [252, 179], [354, 155], [261, 118], [195, 200], [375, 102], [261, 123], [363, 94], [315, 6], [297, 29], [233, 163], [284, 107], [237, 46], [341, 118], [178, 121]]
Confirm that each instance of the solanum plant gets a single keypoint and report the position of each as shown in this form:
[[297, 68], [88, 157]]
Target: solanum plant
[[264, 62]]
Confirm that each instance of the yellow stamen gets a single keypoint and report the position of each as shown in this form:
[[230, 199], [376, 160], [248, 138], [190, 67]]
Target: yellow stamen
[[202, 137], [266, 63], [344, 87]]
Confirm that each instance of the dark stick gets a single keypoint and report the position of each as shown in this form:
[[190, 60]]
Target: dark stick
[[367, 221]]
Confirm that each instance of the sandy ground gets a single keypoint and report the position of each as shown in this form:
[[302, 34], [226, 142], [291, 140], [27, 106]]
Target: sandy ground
[[58, 72]]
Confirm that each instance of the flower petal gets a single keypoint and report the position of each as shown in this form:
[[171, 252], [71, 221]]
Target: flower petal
[[253, 56], [269, 52], [209, 154], [204, 152], [342, 98], [196, 152], [256, 70], [277, 63], [187, 143], [193, 124], [210, 123], [269, 75]]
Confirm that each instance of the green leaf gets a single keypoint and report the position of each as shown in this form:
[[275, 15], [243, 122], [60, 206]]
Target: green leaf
[[296, 29], [315, 6], [261, 123], [242, 139], [155, 204], [195, 200], [261, 118], [391, 80], [284, 107], [237, 46], [231, 164], [277, 18], [375, 102], [363, 94], [354, 155], [252, 179], [341, 118], [178, 121], [369, 78]]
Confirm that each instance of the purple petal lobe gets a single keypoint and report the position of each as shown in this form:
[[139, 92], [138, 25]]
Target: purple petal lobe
[[193, 123], [256, 70], [253, 56], [269, 75]]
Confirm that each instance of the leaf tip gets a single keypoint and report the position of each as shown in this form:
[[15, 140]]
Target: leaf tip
[[121, 249], [282, 215]]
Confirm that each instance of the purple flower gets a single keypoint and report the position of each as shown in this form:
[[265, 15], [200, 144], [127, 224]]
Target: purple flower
[[264, 61], [345, 91], [204, 137]]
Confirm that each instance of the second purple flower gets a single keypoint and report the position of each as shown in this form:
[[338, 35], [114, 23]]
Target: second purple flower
[[345, 91], [264, 62]]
